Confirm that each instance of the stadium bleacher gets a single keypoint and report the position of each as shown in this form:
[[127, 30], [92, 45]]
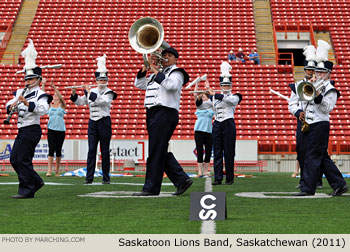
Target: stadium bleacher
[[74, 33]]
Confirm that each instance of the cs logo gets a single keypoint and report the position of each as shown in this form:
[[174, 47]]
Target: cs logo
[[208, 206], [208, 211]]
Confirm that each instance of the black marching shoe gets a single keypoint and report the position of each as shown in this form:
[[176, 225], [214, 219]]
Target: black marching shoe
[[339, 191], [143, 193], [303, 194], [39, 186], [106, 182], [216, 182], [182, 188], [229, 182], [19, 196], [87, 183]]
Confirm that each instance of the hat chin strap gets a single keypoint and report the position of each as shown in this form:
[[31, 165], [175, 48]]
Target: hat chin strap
[[226, 91], [324, 78], [35, 83], [102, 85], [308, 76]]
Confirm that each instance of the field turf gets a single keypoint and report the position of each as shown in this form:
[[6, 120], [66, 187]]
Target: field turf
[[57, 209]]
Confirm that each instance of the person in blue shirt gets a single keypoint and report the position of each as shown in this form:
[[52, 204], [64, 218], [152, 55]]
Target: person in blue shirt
[[231, 56], [203, 133], [255, 57], [56, 129]]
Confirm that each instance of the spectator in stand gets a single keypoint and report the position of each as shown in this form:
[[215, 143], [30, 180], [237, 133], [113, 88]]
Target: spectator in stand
[[240, 55], [255, 57], [231, 56], [56, 128]]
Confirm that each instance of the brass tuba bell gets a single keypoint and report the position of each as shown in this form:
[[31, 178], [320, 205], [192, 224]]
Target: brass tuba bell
[[146, 36]]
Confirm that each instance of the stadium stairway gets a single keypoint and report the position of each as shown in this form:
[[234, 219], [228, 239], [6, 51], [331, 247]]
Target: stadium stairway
[[21, 29], [264, 32], [298, 73]]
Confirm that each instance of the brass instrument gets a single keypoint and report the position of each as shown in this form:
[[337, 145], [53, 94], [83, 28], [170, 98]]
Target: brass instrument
[[307, 91], [146, 36], [305, 126]]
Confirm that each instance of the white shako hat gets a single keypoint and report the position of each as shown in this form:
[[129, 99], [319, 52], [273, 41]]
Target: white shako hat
[[30, 67], [101, 72]]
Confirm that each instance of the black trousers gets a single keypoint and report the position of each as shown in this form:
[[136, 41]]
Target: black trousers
[[99, 131], [301, 151], [316, 159], [161, 123], [21, 159], [55, 140], [203, 139], [224, 141]]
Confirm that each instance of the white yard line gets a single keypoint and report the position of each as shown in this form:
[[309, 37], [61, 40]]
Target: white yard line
[[209, 226]]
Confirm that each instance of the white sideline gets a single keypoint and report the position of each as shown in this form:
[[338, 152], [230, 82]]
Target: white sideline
[[208, 227]]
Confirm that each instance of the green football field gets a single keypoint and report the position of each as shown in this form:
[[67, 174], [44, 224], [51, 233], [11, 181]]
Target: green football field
[[58, 208]]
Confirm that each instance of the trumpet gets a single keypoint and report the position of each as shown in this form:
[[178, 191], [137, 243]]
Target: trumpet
[[14, 108], [91, 85], [146, 36]]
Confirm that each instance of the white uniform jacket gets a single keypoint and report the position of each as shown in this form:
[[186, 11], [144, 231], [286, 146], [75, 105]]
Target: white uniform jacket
[[317, 110], [38, 105], [99, 101], [163, 89], [224, 105], [294, 105]]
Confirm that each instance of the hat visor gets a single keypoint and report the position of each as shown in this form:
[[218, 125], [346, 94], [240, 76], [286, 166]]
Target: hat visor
[[225, 84], [324, 70], [309, 68], [102, 78], [169, 51], [31, 76]]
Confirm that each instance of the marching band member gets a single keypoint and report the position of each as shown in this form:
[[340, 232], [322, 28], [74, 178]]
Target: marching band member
[[162, 102], [203, 128], [224, 128], [99, 100], [296, 108], [30, 103], [315, 140]]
